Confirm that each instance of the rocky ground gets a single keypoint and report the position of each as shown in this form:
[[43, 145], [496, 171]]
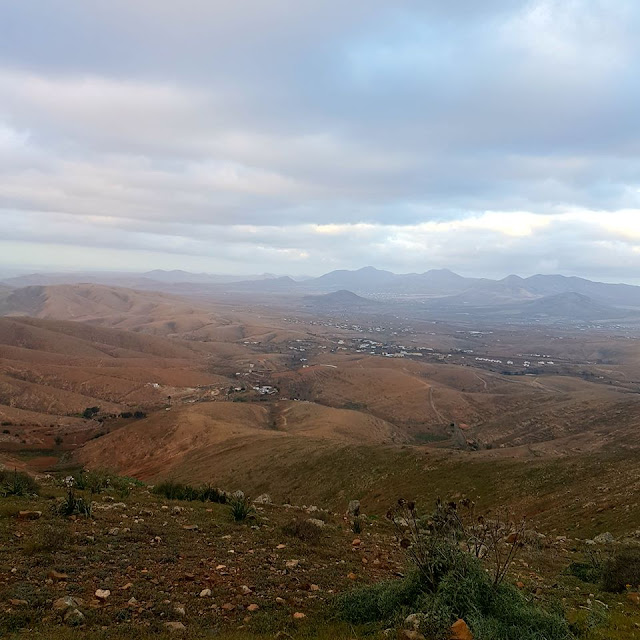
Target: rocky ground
[[145, 566]]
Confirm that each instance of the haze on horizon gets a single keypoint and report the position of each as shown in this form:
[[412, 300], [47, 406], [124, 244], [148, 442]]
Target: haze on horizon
[[489, 138]]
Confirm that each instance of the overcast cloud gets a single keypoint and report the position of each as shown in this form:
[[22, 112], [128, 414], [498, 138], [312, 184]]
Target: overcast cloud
[[301, 136]]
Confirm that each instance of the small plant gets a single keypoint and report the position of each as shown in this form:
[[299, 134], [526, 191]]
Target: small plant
[[58, 440], [621, 568], [17, 483], [178, 491], [356, 525], [90, 412], [241, 509], [72, 505]]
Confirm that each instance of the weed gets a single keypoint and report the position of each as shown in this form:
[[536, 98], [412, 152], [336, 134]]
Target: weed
[[241, 509], [17, 483]]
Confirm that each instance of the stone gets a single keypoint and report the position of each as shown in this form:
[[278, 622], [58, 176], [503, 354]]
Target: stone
[[132, 602], [253, 607], [245, 590], [292, 564], [412, 621], [179, 610], [102, 594], [29, 515], [74, 617], [316, 522], [352, 576], [61, 605], [634, 598], [280, 600], [264, 498], [314, 587], [410, 634], [190, 527], [604, 538], [353, 510], [114, 531], [460, 630], [175, 626], [357, 542], [16, 602], [299, 615], [56, 576], [227, 606], [205, 593]]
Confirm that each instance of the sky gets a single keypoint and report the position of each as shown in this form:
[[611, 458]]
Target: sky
[[301, 136]]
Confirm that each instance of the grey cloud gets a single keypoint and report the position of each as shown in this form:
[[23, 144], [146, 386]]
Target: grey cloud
[[170, 121]]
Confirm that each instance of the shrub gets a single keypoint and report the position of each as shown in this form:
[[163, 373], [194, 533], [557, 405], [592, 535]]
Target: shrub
[[303, 530], [241, 509], [178, 491], [356, 525], [449, 582], [621, 568], [89, 412], [71, 505], [17, 483]]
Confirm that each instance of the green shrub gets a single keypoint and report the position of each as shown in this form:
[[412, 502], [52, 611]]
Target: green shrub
[[178, 491], [17, 483], [72, 505], [241, 508], [621, 568], [585, 571], [450, 582]]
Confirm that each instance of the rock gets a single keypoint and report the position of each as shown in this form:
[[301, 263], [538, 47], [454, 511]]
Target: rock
[[604, 538], [299, 615], [56, 576], [280, 600], [520, 585], [292, 564], [634, 598], [245, 590], [238, 495], [352, 576], [460, 631], [205, 593], [410, 634], [15, 602], [314, 587], [177, 509], [132, 602], [253, 607], [315, 521], [190, 527], [102, 594], [353, 510], [74, 617], [412, 621], [179, 610], [61, 605], [264, 498], [227, 606], [29, 515], [281, 546], [114, 531], [357, 542], [175, 626], [127, 586]]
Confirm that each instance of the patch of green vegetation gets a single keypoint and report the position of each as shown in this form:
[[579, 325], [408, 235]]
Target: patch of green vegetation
[[241, 509], [178, 491], [16, 483]]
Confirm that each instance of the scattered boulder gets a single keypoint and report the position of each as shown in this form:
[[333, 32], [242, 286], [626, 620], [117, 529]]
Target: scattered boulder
[[353, 510], [29, 515], [62, 605], [102, 594], [205, 593], [74, 617], [604, 538], [460, 631], [316, 522], [56, 576]]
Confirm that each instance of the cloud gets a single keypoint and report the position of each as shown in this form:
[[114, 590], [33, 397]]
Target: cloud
[[495, 138]]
